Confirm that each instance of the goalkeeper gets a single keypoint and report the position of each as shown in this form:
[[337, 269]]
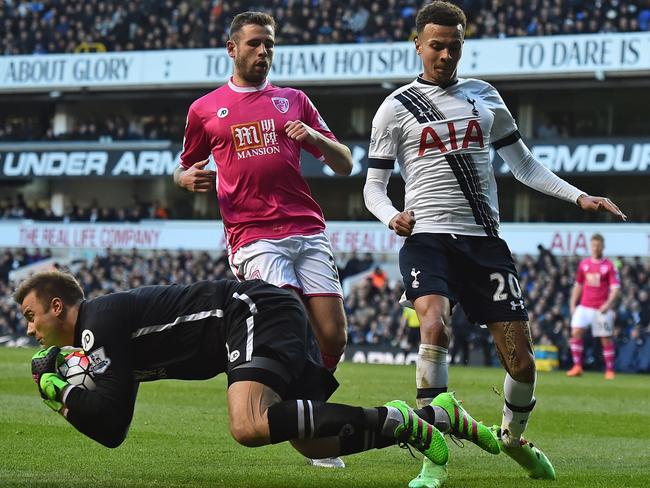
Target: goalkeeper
[[255, 332]]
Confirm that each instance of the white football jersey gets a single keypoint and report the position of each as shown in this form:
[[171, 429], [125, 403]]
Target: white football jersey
[[441, 139]]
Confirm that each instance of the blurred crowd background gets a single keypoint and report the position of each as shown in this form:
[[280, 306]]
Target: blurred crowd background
[[17, 207], [66, 26], [372, 299], [136, 209]]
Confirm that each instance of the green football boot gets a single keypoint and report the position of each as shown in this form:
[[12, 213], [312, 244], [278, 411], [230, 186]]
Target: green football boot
[[431, 476], [528, 457], [420, 434], [464, 426]]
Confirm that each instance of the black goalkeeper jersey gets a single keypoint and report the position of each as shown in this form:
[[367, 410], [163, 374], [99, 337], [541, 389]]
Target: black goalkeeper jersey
[[156, 332]]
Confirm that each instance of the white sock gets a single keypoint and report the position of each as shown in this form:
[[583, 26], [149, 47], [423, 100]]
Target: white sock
[[519, 403], [431, 373]]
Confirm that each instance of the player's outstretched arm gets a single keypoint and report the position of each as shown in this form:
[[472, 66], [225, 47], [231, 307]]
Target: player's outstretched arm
[[337, 156], [534, 174], [196, 178], [600, 204]]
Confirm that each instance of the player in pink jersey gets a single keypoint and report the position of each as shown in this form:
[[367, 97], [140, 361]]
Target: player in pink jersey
[[597, 286], [275, 229]]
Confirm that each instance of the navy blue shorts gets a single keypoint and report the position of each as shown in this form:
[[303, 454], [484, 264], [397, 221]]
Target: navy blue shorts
[[477, 272]]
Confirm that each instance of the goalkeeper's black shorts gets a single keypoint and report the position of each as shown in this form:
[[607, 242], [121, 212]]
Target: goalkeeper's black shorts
[[270, 341]]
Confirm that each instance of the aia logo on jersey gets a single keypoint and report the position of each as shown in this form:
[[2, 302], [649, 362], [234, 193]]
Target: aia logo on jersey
[[281, 104], [430, 139]]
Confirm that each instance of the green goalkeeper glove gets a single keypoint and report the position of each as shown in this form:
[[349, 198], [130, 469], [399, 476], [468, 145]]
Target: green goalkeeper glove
[[46, 361], [51, 387]]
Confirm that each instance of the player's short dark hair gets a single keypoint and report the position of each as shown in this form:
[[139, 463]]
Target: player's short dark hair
[[49, 285], [247, 18], [598, 237], [441, 13]]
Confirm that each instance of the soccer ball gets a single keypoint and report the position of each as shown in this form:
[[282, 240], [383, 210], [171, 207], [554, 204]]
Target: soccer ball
[[76, 370]]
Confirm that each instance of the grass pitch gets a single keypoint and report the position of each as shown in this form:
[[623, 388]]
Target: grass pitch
[[596, 433]]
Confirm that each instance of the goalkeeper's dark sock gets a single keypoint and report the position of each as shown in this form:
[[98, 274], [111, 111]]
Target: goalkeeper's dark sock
[[357, 428], [436, 416]]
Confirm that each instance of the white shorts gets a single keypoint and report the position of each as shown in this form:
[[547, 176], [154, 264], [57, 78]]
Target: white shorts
[[304, 263], [602, 324]]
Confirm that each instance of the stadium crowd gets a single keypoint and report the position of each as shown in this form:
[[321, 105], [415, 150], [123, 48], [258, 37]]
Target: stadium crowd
[[66, 26], [372, 303], [101, 129], [18, 208]]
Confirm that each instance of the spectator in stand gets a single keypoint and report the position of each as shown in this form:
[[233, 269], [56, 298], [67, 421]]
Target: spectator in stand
[[378, 278], [159, 212], [547, 130], [408, 335], [14, 128], [356, 265]]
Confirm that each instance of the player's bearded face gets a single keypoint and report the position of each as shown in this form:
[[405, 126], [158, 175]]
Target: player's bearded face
[[440, 48], [253, 53]]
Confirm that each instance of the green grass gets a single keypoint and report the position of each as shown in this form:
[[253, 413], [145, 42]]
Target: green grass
[[597, 434]]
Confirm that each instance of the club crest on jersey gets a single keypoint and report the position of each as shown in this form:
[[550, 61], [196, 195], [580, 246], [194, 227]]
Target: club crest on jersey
[[473, 103], [281, 104]]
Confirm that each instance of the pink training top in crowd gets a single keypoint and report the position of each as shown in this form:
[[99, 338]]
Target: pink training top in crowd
[[261, 191], [597, 277]]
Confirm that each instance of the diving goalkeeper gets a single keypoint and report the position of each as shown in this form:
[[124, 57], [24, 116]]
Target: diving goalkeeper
[[254, 332]]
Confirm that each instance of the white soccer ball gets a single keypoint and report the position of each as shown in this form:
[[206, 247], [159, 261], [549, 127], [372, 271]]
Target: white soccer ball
[[76, 370]]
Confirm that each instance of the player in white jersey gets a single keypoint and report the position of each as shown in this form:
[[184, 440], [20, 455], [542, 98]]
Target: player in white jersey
[[439, 128]]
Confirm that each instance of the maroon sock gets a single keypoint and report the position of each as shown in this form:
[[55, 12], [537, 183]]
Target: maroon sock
[[576, 351], [609, 354]]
